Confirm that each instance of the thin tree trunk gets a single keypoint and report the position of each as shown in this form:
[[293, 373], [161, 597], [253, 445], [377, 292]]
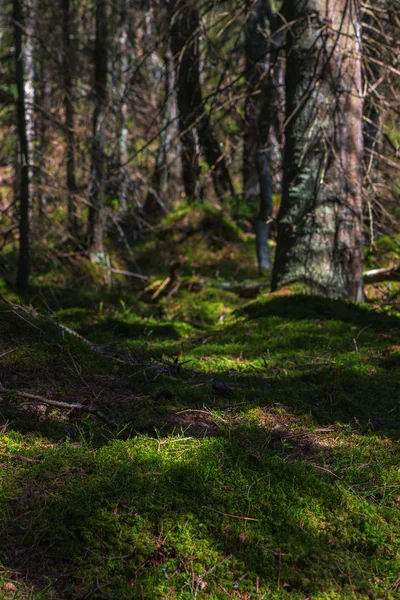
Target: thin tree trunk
[[262, 224], [43, 135], [262, 73], [69, 118], [29, 9], [184, 60], [373, 41], [257, 65], [123, 181], [169, 134], [320, 221], [23, 153], [194, 121], [97, 192], [156, 200]]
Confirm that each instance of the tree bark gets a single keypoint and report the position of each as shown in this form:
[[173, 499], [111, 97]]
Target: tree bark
[[24, 156], [167, 155], [68, 61], [262, 74], [257, 66], [320, 221], [194, 121], [43, 135], [122, 91], [97, 191], [29, 16]]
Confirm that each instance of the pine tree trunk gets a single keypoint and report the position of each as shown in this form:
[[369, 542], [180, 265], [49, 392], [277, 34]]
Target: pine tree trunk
[[194, 121], [69, 118], [97, 191], [320, 221], [23, 153]]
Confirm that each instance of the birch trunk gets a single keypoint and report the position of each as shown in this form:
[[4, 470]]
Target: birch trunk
[[167, 155], [29, 7], [24, 156], [42, 134], [122, 92], [97, 191]]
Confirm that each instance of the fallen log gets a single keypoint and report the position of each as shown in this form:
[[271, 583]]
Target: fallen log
[[379, 275], [57, 403]]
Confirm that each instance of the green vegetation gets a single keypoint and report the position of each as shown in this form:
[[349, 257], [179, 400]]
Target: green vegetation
[[250, 450]]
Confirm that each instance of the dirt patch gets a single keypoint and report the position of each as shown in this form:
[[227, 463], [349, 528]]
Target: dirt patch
[[198, 423]]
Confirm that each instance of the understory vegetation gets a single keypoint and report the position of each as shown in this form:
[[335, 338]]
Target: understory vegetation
[[240, 444]]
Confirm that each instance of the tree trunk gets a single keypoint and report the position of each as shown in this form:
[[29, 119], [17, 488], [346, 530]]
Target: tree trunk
[[122, 92], [43, 136], [194, 121], [374, 42], [156, 200], [68, 61], [257, 66], [97, 192], [29, 9], [262, 73], [320, 220], [23, 152]]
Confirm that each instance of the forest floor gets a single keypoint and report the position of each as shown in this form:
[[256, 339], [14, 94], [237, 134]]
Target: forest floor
[[238, 448]]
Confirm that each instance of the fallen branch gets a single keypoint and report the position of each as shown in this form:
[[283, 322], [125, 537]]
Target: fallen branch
[[129, 274], [231, 516], [58, 403], [379, 275]]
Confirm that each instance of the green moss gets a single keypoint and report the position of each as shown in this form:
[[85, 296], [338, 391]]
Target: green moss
[[255, 443]]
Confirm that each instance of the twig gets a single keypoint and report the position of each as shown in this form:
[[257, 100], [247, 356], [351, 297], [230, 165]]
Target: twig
[[231, 516], [58, 403], [8, 352], [19, 457], [196, 410], [161, 288]]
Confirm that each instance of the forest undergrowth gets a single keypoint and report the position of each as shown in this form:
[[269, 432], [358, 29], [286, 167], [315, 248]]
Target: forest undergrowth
[[240, 444]]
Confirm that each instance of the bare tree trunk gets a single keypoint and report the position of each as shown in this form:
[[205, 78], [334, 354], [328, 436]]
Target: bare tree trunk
[[122, 91], [169, 132], [43, 135], [167, 154], [184, 59], [194, 121], [262, 74], [29, 9], [68, 61], [257, 66], [320, 221], [97, 192], [23, 153], [374, 34]]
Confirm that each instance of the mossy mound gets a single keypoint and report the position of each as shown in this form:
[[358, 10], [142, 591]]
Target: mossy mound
[[202, 218], [255, 454]]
